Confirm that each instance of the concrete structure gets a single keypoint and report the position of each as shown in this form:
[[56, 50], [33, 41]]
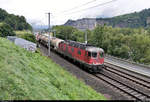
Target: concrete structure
[[30, 46]]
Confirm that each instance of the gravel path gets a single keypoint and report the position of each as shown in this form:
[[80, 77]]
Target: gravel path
[[100, 86]]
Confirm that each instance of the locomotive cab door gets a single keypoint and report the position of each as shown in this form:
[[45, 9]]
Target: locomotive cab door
[[88, 57], [101, 57]]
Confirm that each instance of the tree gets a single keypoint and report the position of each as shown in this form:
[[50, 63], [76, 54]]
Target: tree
[[139, 45], [3, 14], [65, 32], [99, 34], [29, 37], [78, 36], [6, 30]]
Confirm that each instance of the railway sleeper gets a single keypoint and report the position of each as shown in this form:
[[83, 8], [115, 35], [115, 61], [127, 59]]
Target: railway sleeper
[[124, 87], [128, 90], [137, 95], [142, 97], [134, 92], [131, 91], [120, 85]]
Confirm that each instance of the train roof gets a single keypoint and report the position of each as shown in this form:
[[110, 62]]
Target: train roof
[[85, 46], [76, 44], [54, 39], [94, 49]]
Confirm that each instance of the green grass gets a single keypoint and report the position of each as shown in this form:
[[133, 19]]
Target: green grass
[[30, 76]]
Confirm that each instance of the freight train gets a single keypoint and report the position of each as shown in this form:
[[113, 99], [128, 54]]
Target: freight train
[[89, 57]]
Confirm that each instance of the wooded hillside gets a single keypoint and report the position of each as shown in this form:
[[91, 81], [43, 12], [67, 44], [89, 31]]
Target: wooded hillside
[[15, 21]]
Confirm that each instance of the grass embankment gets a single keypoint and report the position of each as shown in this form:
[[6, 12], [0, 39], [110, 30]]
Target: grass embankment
[[30, 76]]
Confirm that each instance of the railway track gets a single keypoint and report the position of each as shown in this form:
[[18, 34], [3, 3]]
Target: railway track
[[127, 89], [131, 85], [137, 80]]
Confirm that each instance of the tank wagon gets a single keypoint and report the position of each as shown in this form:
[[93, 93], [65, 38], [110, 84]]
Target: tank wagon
[[87, 56]]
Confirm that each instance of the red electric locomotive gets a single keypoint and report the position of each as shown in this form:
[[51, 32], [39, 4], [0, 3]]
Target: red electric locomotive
[[91, 58]]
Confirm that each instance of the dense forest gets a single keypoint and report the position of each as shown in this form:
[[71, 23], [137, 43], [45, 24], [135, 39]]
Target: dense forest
[[128, 43]]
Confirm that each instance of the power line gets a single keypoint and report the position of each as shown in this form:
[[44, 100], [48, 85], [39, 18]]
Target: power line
[[79, 6], [102, 4]]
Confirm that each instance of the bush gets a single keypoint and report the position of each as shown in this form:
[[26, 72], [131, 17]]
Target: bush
[[29, 37], [26, 35]]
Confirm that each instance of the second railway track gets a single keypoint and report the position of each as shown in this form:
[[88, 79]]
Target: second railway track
[[125, 75], [128, 89], [131, 84]]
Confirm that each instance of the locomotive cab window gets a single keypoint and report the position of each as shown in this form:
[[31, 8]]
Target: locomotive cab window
[[94, 54], [89, 54]]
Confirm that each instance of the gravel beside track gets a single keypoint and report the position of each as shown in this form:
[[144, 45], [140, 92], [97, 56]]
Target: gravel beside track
[[100, 86]]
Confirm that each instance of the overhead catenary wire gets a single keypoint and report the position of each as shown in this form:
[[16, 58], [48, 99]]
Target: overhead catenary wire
[[102, 4], [79, 6]]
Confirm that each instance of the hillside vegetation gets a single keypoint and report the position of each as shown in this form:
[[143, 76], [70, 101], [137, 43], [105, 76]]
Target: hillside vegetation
[[15, 21], [30, 76]]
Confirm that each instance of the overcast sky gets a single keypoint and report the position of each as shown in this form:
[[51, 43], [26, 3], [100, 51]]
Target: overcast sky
[[35, 10]]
